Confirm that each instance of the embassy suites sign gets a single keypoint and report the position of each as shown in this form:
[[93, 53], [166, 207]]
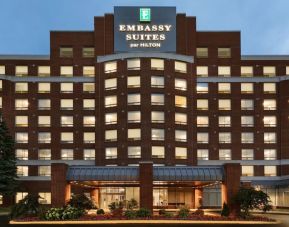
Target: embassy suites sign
[[144, 29]]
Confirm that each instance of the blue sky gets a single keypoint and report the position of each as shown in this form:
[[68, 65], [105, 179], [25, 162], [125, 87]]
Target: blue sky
[[25, 24]]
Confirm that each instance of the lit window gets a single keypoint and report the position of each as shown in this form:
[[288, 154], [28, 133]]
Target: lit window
[[202, 137], [202, 121], [180, 118], [66, 121], [89, 121], [247, 121], [0, 102], [1, 85], [88, 71], [247, 154], [66, 104], [202, 52], [21, 70], [66, 137], [180, 101], [110, 67], [224, 52], [66, 87], [21, 154], [88, 104], [133, 64], [44, 154], [203, 154], [247, 137], [44, 104], [110, 118], [88, 52], [45, 197], [270, 154], [88, 87], [269, 71], [202, 71], [181, 135], [2, 69], [19, 196], [110, 101], [110, 84], [22, 171], [180, 67], [270, 171], [88, 137], [224, 71], [67, 154], [88, 154], [269, 104], [247, 88], [44, 171], [247, 104], [225, 154], [21, 121], [21, 104], [44, 137], [202, 104], [133, 116], [66, 71], [180, 84], [158, 134], [224, 121], [157, 99], [44, 71], [111, 135], [21, 87], [134, 134], [21, 137], [44, 121], [134, 152], [157, 81], [269, 88], [224, 88], [158, 152], [224, 104], [157, 117], [133, 99], [270, 121], [246, 71], [66, 52], [247, 171], [157, 64], [270, 137], [43, 87], [225, 137], [133, 81], [181, 153], [287, 70], [110, 153]]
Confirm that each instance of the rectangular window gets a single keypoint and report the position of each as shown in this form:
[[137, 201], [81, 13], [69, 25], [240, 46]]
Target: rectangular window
[[270, 137], [287, 70], [247, 171], [180, 84], [270, 121], [21, 70], [110, 153], [66, 71], [134, 152], [19, 196], [66, 137], [45, 197], [270, 171], [224, 88], [88, 104], [225, 137], [88, 71], [111, 135], [21, 121], [133, 99], [157, 99], [43, 71], [158, 152], [134, 134], [157, 64], [202, 104], [157, 81], [269, 71], [110, 118], [157, 117], [44, 104], [21, 137], [224, 71], [44, 137], [44, 171], [269, 104], [110, 67], [247, 104], [225, 154], [88, 121], [44, 154], [88, 52], [21, 154], [224, 104], [88, 137], [203, 154], [247, 137], [66, 121], [270, 154], [88, 154], [181, 135], [22, 171], [180, 101], [202, 137], [202, 121], [247, 121], [247, 154], [224, 121], [202, 71], [66, 52], [44, 87], [202, 88], [158, 134], [2, 69], [21, 104], [21, 87], [181, 153], [110, 84], [66, 104], [133, 81], [247, 88], [1, 85], [110, 101], [180, 67], [246, 71], [202, 52], [66, 154], [88, 87], [269, 88], [44, 121], [181, 118], [224, 52], [133, 64], [133, 116], [66, 87]]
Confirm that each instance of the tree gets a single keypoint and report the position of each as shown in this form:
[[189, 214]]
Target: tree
[[8, 169], [250, 198]]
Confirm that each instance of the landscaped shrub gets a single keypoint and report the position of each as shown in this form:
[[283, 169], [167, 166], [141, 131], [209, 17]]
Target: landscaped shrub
[[130, 214], [54, 214], [184, 212], [66, 213], [100, 212], [143, 213], [132, 204], [162, 212], [199, 212], [116, 208], [225, 211], [81, 201]]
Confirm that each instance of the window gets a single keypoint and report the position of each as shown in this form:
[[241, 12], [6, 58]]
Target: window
[[110, 153], [133, 99], [21, 70], [157, 117], [180, 67], [19, 196], [247, 121], [88, 52], [224, 71], [21, 121], [45, 197], [134, 152], [88, 104], [0, 102], [224, 121], [270, 154], [158, 152], [270, 121], [133, 81], [66, 104], [133, 116], [202, 121], [66, 121], [181, 153], [270, 137], [158, 134], [66, 87], [287, 70], [157, 81], [1, 85], [67, 154], [88, 137], [225, 137], [269, 104], [44, 104], [66, 71], [66, 137], [21, 104], [224, 52], [180, 101], [224, 88], [247, 88], [43, 87], [247, 137], [111, 135], [202, 52], [157, 64], [44, 71], [88, 154], [203, 154], [44, 154], [2, 69], [269, 88], [225, 154], [202, 137], [21, 137], [88, 87], [66, 52], [44, 137], [110, 101], [88, 71], [110, 118], [224, 104], [157, 99], [269, 71], [20, 87], [180, 118], [110, 84], [44, 171], [88, 121], [133, 64], [246, 71], [247, 104], [180, 84], [22, 171], [21, 154], [44, 121], [202, 88], [270, 171], [247, 154], [247, 171], [134, 134], [202, 104], [202, 71], [181, 135], [110, 67]]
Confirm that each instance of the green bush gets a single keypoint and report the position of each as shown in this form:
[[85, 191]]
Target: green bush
[[67, 213], [225, 211], [130, 214], [54, 214], [132, 204], [116, 208], [100, 212], [184, 212], [143, 213], [81, 201]]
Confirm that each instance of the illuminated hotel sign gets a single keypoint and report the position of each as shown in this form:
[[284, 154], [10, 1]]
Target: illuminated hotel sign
[[144, 29]]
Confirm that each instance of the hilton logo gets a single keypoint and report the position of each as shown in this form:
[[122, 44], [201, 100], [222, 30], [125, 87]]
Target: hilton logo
[[144, 14]]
